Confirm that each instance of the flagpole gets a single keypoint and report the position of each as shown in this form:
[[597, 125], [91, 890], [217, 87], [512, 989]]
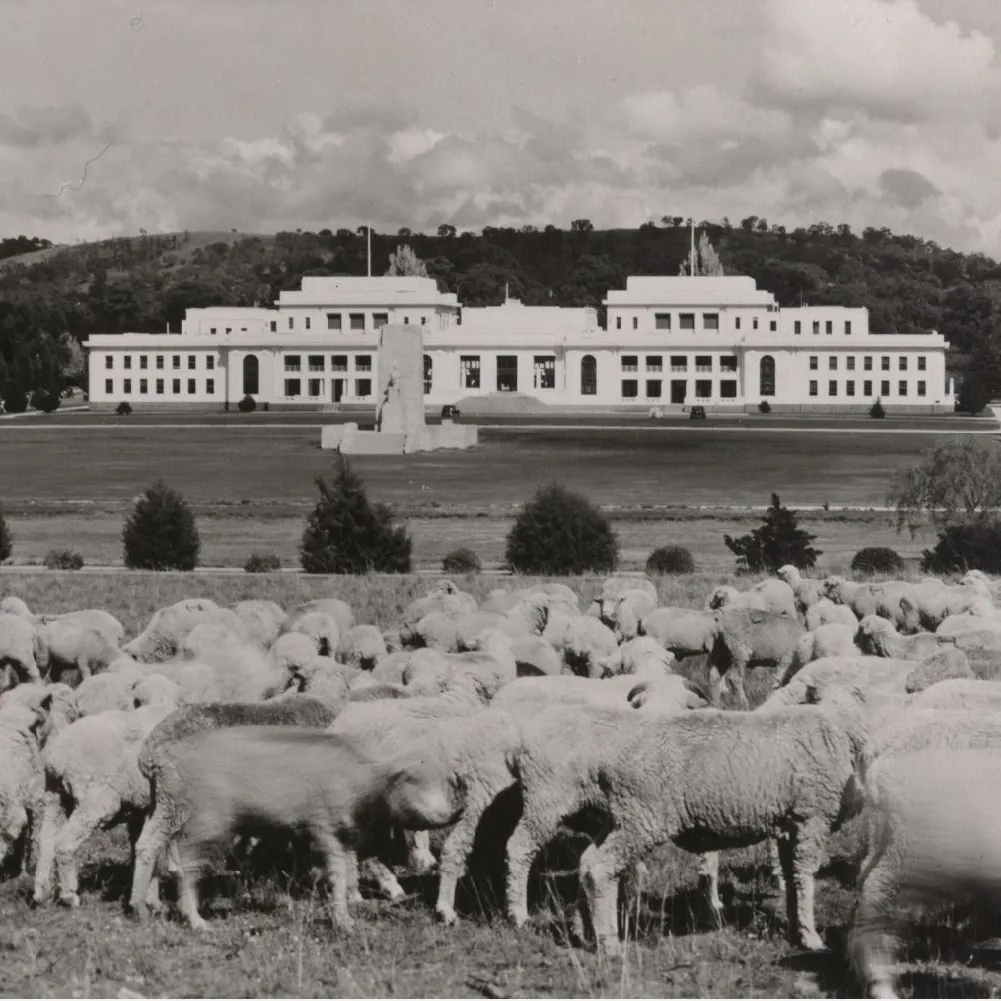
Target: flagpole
[[368, 230], [691, 255]]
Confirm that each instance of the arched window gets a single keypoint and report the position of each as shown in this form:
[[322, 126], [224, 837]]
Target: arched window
[[428, 366], [767, 376], [588, 376], [251, 376]]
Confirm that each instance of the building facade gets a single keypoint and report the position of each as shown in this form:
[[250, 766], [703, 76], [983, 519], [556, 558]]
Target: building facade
[[668, 341]]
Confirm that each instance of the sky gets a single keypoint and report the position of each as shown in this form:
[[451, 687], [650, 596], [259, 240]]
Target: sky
[[260, 115]]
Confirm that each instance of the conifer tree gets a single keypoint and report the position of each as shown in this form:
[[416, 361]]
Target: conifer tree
[[777, 542], [405, 262], [6, 539], [160, 534]]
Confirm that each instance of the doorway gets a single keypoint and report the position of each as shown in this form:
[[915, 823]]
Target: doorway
[[336, 390], [678, 390]]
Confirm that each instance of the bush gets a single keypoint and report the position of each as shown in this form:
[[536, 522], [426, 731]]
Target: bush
[[877, 410], [347, 534], [972, 395], [262, 563], [124, 408], [779, 541], [670, 559], [15, 400], [559, 532], [160, 534], [972, 545], [6, 539], [45, 400], [63, 559], [877, 559], [461, 561], [248, 404], [764, 407]]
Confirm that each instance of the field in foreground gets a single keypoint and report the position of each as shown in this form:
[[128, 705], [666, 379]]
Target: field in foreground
[[263, 942]]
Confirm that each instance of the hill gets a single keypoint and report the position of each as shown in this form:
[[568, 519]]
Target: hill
[[145, 283]]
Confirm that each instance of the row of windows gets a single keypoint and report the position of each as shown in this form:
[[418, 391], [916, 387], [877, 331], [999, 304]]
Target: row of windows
[[686, 321], [159, 384], [654, 389], [315, 389], [797, 327], [543, 372], [832, 363], [175, 362], [338, 363], [884, 387], [679, 363]]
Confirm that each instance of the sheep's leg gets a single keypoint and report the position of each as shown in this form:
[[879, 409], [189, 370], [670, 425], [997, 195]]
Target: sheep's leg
[[383, 876], [807, 851], [189, 870], [338, 865], [149, 847], [776, 865], [600, 868], [11, 839], [709, 882], [534, 830], [88, 817], [53, 818], [353, 893], [873, 942], [420, 858]]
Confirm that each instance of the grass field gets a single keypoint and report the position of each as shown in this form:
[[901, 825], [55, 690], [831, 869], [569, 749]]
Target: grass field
[[271, 936]]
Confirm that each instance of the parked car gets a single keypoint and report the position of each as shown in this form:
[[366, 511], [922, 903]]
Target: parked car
[[449, 410], [697, 414]]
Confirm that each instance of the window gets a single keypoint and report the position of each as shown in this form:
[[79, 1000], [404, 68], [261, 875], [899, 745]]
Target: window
[[339, 363], [655, 363], [653, 389], [814, 361], [428, 373], [773, 325], [315, 387], [921, 363], [159, 361], [903, 387], [797, 327], [251, 375], [109, 362], [867, 363], [229, 330], [159, 387], [315, 363], [832, 387], [333, 321], [710, 321], [212, 330], [424, 321], [728, 389], [754, 323], [686, 321], [662, 321], [293, 387], [703, 389], [816, 326], [142, 387], [291, 326], [356, 321], [210, 363], [903, 363], [829, 327], [545, 372], [588, 376], [679, 363], [176, 387], [884, 387], [618, 323], [363, 363], [921, 387], [293, 363], [867, 388], [144, 361], [630, 389], [274, 326], [766, 376], [406, 320], [630, 363], [636, 322], [813, 387], [109, 386], [850, 363], [850, 387], [191, 387], [736, 323], [175, 362], [381, 319], [309, 323], [832, 363], [128, 361], [209, 387], [363, 387], [885, 364], [848, 326], [703, 363], [507, 373], [192, 362], [469, 366], [728, 363], [127, 386]]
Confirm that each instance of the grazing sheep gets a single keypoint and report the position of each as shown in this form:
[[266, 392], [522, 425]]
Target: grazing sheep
[[641, 651], [806, 590], [66, 651], [340, 611], [445, 598], [293, 654], [17, 651], [391, 667], [831, 640], [362, 647], [55, 703], [613, 589], [876, 637], [502, 600], [931, 602], [682, 631], [328, 682], [320, 627], [103, 692], [727, 596], [252, 777], [677, 778], [954, 693], [90, 618], [933, 818], [587, 643], [627, 611], [262, 620], [825, 612], [207, 637], [167, 629], [22, 780], [436, 631], [488, 669], [767, 595]]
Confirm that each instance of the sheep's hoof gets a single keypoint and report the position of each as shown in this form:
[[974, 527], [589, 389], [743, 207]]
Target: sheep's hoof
[[446, 914], [811, 941], [518, 918], [198, 923], [610, 948], [69, 900], [344, 923]]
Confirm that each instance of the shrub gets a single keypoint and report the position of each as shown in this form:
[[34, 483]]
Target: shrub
[[670, 559], [248, 404], [6, 539], [461, 561], [877, 559], [45, 400], [347, 534], [561, 532], [777, 542], [972, 395], [262, 563], [160, 533], [63, 559], [974, 545], [124, 408], [877, 410], [15, 400], [764, 407]]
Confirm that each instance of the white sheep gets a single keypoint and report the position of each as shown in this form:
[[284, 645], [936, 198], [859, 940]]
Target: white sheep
[[877, 637], [263, 621], [67, 650], [587, 643], [831, 640], [167, 629], [293, 654], [320, 626], [726, 595], [501, 600], [22, 780], [361, 646], [17, 651], [931, 602], [207, 637], [682, 631], [340, 611], [488, 669], [954, 693], [613, 589], [625, 659], [628, 610], [825, 611], [884, 599], [807, 590], [445, 597], [13, 605]]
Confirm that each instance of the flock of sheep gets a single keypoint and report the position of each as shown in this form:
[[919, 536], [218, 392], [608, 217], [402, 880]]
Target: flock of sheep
[[233, 726]]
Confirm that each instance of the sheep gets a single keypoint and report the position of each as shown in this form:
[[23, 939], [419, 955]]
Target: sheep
[[558, 619], [725, 595], [954, 693], [767, 595], [22, 780], [17, 651], [207, 637], [56, 703], [933, 817], [631, 653], [166, 630], [807, 591], [884, 599], [613, 589], [436, 631], [587, 643], [103, 692], [676, 778], [445, 597], [682, 631], [745, 638], [362, 647], [487, 669], [223, 779], [877, 637], [65, 650], [92, 781], [263, 621], [627, 611], [391, 667], [831, 640], [293, 654], [319, 626], [825, 612], [328, 682], [340, 611], [501, 600], [931, 602], [91, 618], [13, 605]]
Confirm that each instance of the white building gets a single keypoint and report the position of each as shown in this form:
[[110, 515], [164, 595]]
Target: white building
[[716, 341]]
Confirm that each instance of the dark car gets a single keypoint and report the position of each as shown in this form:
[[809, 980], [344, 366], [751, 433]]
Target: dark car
[[449, 410], [697, 414]]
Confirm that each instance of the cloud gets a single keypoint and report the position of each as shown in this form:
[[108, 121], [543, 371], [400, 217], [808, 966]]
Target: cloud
[[45, 126], [906, 187]]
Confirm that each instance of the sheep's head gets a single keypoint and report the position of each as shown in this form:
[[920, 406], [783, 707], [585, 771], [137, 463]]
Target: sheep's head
[[13, 605], [832, 588], [155, 690], [789, 573], [721, 596], [446, 587], [871, 630]]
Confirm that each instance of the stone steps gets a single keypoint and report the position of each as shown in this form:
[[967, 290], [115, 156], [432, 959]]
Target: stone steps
[[374, 443]]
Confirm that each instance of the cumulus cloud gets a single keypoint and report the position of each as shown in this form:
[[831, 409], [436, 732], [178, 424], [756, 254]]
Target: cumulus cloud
[[31, 126], [906, 187]]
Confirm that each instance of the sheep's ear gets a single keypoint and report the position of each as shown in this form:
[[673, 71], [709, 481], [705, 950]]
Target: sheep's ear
[[45, 703]]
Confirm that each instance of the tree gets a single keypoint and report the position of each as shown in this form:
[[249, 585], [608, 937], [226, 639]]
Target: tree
[[446, 230], [347, 534], [405, 262], [777, 542], [707, 261], [6, 539], [160, 533], [581, 226], [73, 360], [972, 394]]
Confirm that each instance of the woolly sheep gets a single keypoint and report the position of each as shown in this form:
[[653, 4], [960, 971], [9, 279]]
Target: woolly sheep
[[13, 605], [103, 692], [445, 598], [877, 637], [533, 656], [526, 618], [293, 654], [682, 631], [207, 637], [641, 651], [627, 611], [487, 669], [825, 612], [328, 683], [361, 646], [166, 630], [89, 618], [726, 595], [22, 780], [391, 667], [67, 651], [954, 625], [806, 590], [340, 611], [263, 621], [930, 603], [558, 619], [501, 600], [884, 599], [831, 640], [587, 643], [613, 589], [320, 627], [436, 631], [933, 817], [56, 703], [954, 693], [677, 779], [17, 651]]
